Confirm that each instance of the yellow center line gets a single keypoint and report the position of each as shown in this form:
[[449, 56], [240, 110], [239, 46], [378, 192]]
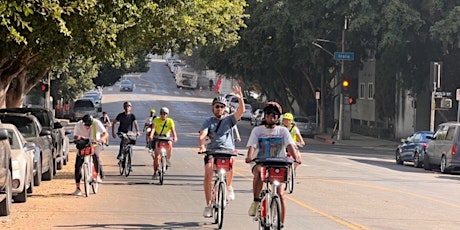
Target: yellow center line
[[353, 226]]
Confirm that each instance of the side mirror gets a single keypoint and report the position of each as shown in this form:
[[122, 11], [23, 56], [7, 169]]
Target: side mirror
[[57, 125], [29, 146], [45, 132], [3, 134]]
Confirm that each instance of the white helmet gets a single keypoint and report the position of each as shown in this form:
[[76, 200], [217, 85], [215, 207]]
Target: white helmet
[[164, 110]]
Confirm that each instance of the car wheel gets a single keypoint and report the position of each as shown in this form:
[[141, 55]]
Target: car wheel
[[417, 162], [48, 175], [60, 164], [38, 175], [426, 162], [443, 166], [21, 197], [5, 204], [398, 158]]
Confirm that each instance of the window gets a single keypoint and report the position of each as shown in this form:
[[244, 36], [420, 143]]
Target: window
[[361, 91], [370, 91]]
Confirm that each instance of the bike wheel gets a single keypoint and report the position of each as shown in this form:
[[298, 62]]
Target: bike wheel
[[162, 169], [128, 161], [220, 204], [94, 183], [275, 213], [290, 184], [86, 178]]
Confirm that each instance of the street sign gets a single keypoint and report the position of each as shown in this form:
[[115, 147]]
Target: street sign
[[458, 95], [344, 56], [442, 94]]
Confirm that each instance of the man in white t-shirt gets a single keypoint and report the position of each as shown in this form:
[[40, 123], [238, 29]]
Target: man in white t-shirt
[[269, 141]]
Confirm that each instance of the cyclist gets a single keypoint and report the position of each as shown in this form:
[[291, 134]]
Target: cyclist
[[162, 126], [89, 128], [147, 128], [106, 122], [270, 140], [126, 119], [288, 122], [216, 133]]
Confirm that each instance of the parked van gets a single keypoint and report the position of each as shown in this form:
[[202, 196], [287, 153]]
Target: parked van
[[82, 107], [443, 151], [187, 78]]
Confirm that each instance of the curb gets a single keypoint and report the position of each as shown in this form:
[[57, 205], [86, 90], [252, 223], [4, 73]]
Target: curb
[[324, 139]]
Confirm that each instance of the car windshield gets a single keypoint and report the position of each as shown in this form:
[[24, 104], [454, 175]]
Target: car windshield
[[23, 124], [83, 103], [301, 119], [126, 83], [14, 143]]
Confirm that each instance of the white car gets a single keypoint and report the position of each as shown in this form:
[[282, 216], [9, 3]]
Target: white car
[[257, 117], [22, 154], [247, 115]]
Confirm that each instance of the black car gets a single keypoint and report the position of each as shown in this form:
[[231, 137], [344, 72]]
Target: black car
[[49, 122], [413, 148], [30, 128]]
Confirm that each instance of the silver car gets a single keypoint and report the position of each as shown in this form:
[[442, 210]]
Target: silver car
[[443, 150], [126, 85], [306, 128], [22, 154]]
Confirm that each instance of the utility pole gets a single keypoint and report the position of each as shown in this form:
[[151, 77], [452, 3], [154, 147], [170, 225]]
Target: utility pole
[[342, 71], [436, 86]]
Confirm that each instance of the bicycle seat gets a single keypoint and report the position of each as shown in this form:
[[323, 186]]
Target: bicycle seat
[[162, 138], [221, 152], [273, 161]]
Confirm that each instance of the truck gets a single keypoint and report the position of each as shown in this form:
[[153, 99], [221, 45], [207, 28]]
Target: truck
[[187, 78]]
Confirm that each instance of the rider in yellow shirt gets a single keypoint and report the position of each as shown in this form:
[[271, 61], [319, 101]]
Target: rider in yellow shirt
[[288, 122], [162, 126]]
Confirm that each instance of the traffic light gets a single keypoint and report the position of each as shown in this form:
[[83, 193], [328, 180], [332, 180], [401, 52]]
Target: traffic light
[[44, 87], [351, 100], [345, 84]]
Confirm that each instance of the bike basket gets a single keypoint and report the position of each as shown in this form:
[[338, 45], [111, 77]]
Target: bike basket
[[88, 150], [223, 163], [271, 174], [129, 138]]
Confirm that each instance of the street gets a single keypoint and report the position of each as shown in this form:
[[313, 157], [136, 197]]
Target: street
[[337, 186]]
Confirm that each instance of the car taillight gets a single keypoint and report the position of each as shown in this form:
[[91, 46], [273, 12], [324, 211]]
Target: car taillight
[[454, 149]]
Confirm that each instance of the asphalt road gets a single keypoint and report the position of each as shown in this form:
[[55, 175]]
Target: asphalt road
[[338, 186]]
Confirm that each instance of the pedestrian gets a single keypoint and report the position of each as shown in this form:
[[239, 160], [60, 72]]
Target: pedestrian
[[211, 84]]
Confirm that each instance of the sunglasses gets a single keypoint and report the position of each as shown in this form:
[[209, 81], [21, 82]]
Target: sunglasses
[[268, 112], [219, 106], [163, 113]]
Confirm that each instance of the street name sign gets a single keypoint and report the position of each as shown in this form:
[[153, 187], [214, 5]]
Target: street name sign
[[344, 56]]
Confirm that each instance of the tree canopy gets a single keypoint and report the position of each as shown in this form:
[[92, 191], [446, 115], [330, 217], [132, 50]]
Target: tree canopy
[[74, 39]]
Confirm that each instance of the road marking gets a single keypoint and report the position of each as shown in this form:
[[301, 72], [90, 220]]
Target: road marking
[[353, 226]]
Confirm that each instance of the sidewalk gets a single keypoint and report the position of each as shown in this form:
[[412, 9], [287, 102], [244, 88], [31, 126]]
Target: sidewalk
[[357, 140]]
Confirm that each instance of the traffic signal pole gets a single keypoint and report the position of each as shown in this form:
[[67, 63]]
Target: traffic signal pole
[[342, 70], [48, 93]]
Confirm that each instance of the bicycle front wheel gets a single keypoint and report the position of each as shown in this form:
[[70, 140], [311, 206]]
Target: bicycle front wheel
[[86, 178], [290, 183], [128, 161], [275, 213], [94, 183], [220, 204], [162, 169]]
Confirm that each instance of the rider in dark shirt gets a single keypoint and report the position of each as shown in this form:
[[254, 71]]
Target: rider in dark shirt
[[126, 119]]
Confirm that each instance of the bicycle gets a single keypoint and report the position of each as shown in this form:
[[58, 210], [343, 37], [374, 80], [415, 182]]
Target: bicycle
[[124, 163], [222, 162], [274, 172], [291, 175], [163, 144], [88, 168]]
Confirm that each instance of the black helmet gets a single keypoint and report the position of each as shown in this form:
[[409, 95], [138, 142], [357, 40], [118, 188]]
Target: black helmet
[[87, 119], [219, 99], [273, 106], [126, 104]]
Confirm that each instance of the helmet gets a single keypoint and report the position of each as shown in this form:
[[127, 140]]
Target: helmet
[[164, 110], [288, 116], [273, 106], [126, 104], [152, 111], [87, 119], [219, 99]]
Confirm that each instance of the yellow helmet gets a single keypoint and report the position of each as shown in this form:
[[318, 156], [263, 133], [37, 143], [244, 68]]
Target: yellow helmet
[[152, 111], [288, 116]]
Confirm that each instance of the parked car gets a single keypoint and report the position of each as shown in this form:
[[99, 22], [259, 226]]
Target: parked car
[[247, 115], [6, 189], [22, 164], [126, 85], [257, 117], [306, 128], [31, 129], [58, 133], [412, 148], [82, 107], [97, 97], [443, 149]]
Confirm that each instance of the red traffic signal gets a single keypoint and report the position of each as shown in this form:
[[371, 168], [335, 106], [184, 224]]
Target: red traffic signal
[[44, 87], [351, 100]]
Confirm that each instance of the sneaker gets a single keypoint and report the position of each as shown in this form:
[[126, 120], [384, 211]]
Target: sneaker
[[130, 169], [77, 192], [98, 179], [230, 194], [168, 163], [154, 176], [207, 213], [120, 157], [253, 209]]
